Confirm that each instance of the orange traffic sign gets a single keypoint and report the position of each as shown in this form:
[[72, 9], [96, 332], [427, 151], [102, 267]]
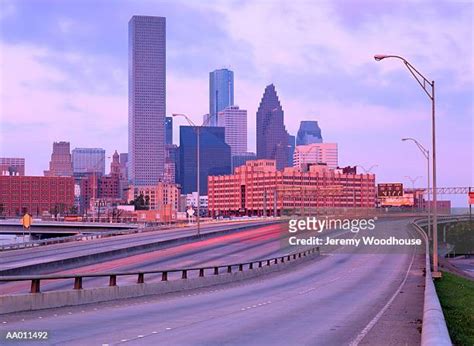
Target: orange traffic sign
[[26, 221]]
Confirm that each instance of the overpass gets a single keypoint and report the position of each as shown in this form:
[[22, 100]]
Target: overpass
[[58, 228]]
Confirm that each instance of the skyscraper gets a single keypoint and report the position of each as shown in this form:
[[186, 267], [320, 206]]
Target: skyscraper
[[146, 99], [221, 93], [60, 164], [291, 149], [215, 158], [88, 160], [308, 133], [316, 153], [272, 138], [234, 120], [169, 130]]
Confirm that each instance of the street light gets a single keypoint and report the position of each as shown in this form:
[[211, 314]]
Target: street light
[[426, 154], [198, 134], [413, 181], [366, 171], [424, 83], [304, 154]]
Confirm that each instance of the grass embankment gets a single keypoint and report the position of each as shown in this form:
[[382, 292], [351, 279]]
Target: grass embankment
[[456, 295]]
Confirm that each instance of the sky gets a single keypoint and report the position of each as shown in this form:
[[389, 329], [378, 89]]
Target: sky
[[64, 75]]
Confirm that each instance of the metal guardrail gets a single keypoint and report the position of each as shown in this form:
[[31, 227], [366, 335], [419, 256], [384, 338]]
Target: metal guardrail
[[216, 270], [434, 330]]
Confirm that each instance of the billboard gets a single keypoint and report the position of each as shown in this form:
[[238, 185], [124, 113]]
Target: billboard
[[390, 190], [471, 197]]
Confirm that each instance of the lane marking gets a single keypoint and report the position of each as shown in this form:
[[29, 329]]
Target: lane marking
[[371, 324]]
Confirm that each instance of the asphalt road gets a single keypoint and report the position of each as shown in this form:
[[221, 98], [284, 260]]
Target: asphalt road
[[44, 254], [328, 301], [260, 243]]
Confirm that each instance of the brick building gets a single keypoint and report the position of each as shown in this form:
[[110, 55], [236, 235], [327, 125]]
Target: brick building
[[258, 188], [12, 166], [35, 195]]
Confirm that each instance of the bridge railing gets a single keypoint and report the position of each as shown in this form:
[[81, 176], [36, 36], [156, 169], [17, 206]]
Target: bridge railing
[[434, 330], [141, 275]]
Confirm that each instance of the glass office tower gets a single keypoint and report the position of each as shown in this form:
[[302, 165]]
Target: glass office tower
[[221, 93]]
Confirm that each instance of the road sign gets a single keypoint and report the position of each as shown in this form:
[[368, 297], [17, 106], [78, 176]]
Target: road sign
[[390, 190], [26, 221], [471, 197]]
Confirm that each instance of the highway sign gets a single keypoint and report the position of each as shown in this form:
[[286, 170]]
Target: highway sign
[[390, 190], [26, 221]]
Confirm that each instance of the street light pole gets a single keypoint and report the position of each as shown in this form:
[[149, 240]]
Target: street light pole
[[367, 171], [423, 81], [426, 154], [413, 181], [198, 134]]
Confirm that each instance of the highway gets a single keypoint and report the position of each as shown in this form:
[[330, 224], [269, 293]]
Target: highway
[[332, 300], [258, 243], [15, 259]]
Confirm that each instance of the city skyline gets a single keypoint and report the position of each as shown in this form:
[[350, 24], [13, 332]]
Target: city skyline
[[365, 107]]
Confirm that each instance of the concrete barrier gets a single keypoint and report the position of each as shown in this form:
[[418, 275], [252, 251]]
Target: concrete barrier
[[434, 330], [55, 299]]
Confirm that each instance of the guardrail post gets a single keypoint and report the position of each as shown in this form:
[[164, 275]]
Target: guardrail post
[[141, 278], [251, 265], [282, 259], [319, 251], [184, 275], [294, 256], [229, 269], [276, 260], [201, 272], [216, 270], [304, 254], [260, 264], [299, 254], [241, 267], [288, 257], [268, 262], [113, 280], [35, 286], [78, 283], [164, 276]]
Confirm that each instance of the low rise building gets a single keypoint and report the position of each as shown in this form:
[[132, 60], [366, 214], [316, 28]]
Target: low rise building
[[12, 166], [163, 197], [258, 188], [35, 195]]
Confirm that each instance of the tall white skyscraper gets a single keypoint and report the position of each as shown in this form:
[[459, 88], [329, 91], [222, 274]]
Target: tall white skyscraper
[[316, 153], [146, 99], [235, 122]]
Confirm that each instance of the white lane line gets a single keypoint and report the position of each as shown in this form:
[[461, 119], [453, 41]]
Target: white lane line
[[371, 324]]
